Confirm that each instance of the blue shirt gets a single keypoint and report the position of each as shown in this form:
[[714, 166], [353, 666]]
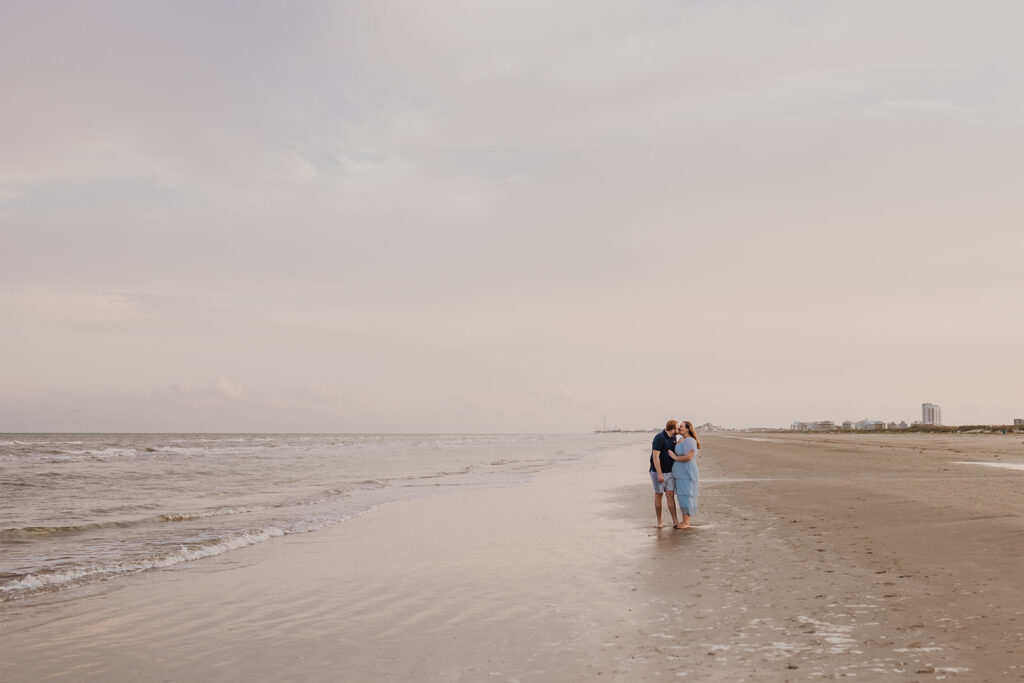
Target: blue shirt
[[686, 445], [685, 473]]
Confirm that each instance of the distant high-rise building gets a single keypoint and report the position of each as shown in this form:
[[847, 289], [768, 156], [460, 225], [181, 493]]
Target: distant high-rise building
[[931, 414]]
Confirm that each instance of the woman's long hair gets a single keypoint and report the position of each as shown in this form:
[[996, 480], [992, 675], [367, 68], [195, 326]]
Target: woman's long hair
[[690, 430]]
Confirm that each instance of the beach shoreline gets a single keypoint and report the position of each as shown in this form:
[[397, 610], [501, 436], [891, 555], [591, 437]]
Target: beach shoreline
[[811, 558]]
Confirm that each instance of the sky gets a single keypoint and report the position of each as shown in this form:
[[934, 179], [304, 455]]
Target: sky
[[409, 216]]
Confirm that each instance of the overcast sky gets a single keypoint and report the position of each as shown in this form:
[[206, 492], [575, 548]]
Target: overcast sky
[[513, 216]]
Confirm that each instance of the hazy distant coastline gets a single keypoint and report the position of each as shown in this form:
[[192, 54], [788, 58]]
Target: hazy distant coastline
[[912, 429]]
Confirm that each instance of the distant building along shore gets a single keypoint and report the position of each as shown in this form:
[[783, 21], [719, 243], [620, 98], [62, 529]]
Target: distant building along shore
[[931, 414], [847, 426]]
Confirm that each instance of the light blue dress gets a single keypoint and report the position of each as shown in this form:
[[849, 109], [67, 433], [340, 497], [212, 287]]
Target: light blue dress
[[686, 476]]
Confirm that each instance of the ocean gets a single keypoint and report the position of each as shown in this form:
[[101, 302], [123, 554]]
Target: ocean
[[77, 509]]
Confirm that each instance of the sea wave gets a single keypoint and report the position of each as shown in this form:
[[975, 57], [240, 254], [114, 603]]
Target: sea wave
[[62, 577], [35, 531], [28, 532], [25, 584], [211, 450], [63, 530], [112, 451], [60, 455], [204, 514], [55, 452]]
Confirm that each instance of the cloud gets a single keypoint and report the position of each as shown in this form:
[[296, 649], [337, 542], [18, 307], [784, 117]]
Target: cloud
[[229, 389], [917, 107], [322, 392], [538, 206], [85, 307]]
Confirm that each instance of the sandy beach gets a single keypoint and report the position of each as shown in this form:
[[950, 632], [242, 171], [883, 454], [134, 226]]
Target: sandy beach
[[814, 556]]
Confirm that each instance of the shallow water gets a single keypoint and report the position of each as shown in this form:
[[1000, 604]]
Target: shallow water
[[1002, 465], [78, 508]]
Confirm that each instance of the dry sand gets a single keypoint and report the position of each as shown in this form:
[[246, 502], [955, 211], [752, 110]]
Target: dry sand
[[813, 557]]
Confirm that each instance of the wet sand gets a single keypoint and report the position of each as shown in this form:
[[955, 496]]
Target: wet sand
[[815, 556]]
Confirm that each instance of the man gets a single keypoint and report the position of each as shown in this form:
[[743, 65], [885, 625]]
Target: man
[[661, 470]]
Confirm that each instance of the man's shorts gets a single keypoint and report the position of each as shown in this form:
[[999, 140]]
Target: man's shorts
[[661, 486]]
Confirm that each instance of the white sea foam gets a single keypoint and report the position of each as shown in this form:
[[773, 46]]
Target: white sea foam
[[220, 512], [182, 554], [110, 452], [837, 636], [210, 450], [1001, 465]]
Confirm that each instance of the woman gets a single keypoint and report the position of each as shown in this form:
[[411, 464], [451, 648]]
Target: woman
[[684, 471]]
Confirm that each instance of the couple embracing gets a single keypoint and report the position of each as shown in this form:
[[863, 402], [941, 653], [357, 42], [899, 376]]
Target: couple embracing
[[674, 471]]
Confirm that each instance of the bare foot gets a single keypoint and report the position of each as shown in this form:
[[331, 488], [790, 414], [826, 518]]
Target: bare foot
[[659, 526], [682, 526]]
